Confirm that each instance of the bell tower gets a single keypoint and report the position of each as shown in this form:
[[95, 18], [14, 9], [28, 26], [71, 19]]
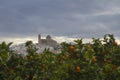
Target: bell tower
[[39, 39]]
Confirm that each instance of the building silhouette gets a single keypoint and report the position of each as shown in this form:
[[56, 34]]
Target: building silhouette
[[48, 41]]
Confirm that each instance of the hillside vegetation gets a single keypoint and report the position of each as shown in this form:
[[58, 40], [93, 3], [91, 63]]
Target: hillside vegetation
[[98, 60]]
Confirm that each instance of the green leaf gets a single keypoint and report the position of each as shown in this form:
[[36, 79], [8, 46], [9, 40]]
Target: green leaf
[[4, 56]]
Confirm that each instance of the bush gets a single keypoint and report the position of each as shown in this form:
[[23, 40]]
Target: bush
[[99, 60]]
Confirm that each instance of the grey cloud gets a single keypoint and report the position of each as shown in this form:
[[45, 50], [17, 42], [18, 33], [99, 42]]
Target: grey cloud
[[84, 18]]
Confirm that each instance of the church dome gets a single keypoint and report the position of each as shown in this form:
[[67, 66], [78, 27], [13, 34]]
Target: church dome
[[48, 37]]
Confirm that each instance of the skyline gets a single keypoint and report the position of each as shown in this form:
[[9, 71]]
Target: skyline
[[63, 19]]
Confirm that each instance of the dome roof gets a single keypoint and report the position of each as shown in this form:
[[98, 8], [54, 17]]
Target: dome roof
[[48, 37]]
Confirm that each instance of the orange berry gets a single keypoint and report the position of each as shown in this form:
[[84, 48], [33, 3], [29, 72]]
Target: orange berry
[[94, 59], [107, 61], [115, 43], [63, 57], [68, 55], [77, 69], [71, 48], [114, 67]]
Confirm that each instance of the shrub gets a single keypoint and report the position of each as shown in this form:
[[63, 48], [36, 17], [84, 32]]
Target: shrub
[[99, 60]]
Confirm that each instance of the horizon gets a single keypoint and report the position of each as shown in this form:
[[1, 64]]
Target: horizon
[[59, 39]]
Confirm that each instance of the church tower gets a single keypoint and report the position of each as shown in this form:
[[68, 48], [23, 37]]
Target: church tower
[[39, 38]]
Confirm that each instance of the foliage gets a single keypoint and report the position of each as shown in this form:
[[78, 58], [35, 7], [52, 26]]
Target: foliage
[[98, 60]]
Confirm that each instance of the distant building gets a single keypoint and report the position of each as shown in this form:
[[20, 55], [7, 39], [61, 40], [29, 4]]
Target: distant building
[[48, 41]]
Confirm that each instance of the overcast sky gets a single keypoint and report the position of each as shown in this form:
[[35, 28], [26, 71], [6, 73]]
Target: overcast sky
[[72, 18]]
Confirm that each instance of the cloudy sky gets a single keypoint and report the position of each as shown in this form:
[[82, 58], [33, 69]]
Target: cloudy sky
[[25, 19]]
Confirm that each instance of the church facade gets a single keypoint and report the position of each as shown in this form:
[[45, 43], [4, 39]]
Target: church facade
[[48, 41]]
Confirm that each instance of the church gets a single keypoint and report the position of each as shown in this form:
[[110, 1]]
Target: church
[[48, 41]]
